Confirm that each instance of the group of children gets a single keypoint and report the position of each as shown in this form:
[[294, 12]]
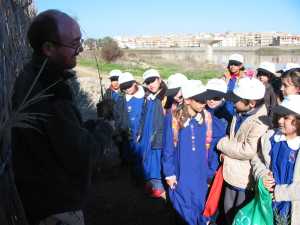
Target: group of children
[[181, 131]]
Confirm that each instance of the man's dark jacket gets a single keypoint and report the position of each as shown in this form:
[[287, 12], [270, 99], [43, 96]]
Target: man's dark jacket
[[53, 162]]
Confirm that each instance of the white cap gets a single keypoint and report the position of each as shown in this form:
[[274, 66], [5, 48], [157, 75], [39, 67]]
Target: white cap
[[249, 88], [176, 80], [290, 66], [114, 73], [237, 57], [150, 73], [125, 77], [217, 85], [192, 88], [290, 104], [268, 66]]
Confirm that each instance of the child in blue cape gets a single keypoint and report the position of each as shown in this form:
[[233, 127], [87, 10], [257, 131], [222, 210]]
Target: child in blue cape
[[150, 132], [132, 103], [278, 161], [113, 92], [234, 73], [185, 158], [216, 91]]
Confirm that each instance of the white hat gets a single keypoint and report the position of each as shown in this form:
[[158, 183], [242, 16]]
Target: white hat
[[289, 66], [150, 73], [176, 80], [289, 105], [114, 73], [174, 83], [125, 77], [249, 88], [193, 88], [216, 88], [217, 85], [268, 66], [236, 57]]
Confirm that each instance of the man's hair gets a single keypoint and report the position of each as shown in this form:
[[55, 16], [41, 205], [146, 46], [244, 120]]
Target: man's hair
[[43, 28]]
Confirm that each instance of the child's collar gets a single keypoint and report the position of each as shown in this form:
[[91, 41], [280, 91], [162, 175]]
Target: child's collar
[[294, 143], [152, 96], [139, 94], [198, 117]]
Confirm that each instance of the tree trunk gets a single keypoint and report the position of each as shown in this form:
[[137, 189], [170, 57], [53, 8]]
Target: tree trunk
[[14, 20]]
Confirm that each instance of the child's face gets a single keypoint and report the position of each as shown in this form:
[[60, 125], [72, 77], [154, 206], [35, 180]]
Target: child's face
[[287, 126], [178, 97], [115, 85], [288, 88], [197, 106], [242, 107], [264, 79], [154, 86], [132, 89], [213, 103], [234, 68]]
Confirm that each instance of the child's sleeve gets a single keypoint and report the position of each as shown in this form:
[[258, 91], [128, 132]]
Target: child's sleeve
[[168, 151], [246, 149], [213, 158], [287, 192], [258, 163]]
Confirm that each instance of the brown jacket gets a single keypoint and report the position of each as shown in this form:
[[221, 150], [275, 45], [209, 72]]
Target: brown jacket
[[241, 147]]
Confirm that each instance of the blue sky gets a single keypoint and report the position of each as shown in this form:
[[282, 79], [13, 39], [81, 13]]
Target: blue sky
[[132, 17]]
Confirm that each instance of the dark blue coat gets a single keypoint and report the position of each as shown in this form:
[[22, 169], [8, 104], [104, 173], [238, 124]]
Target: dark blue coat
[[219, 128], [150, 138]]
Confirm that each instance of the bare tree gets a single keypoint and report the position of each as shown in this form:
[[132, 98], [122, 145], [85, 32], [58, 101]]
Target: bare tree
[[110, 50]]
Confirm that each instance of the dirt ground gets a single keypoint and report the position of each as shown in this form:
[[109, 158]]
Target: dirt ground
[[117, 200]]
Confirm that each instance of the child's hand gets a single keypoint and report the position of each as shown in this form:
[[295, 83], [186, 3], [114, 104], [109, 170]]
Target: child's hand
[[269, 182], [172, 182]]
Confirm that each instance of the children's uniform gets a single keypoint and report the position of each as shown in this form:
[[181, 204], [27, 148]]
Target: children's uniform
[[231, 79], [219, 128], [188, 161], [150, 140], [112, 94], [281, 156], [134, 104]]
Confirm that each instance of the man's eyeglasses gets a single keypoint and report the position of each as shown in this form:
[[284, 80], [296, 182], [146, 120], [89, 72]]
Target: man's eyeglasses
[[77, 48]]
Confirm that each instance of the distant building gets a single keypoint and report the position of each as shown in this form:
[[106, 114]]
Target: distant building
[[228, 39]]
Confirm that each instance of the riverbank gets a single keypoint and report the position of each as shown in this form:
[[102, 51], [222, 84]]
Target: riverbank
[[137, 67]]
